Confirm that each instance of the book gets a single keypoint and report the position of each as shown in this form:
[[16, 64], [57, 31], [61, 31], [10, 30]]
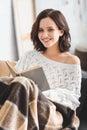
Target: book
[[35, 73]]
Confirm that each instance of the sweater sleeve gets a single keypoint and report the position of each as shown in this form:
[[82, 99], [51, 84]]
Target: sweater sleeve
[[70, 94]]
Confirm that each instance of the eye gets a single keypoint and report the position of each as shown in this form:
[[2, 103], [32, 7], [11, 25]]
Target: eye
[[40, 30], [50, 29]]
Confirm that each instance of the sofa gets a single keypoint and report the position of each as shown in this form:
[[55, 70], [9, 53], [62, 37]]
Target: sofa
[[81, 110], [4, 71]]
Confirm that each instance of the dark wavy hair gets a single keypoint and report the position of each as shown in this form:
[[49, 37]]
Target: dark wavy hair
[[60, 21]]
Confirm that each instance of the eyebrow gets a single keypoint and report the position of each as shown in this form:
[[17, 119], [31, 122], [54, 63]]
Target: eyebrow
[[47, 27]]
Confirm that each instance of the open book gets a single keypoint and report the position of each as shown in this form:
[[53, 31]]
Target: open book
[[35, 73]]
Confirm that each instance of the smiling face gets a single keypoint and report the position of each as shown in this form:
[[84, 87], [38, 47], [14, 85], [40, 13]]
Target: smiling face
[[48, 32]]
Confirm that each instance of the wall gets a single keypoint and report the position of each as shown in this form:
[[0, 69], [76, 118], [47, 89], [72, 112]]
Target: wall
[[16, 18], [8, 49], [16, 21]]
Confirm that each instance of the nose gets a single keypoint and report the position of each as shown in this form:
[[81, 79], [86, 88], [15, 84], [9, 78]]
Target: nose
[[45, 34]]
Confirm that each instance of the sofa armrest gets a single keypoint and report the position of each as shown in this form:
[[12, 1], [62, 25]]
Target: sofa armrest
[[4, 71]]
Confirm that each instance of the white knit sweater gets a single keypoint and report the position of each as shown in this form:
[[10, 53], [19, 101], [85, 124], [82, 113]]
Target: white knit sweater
[[64, 79]]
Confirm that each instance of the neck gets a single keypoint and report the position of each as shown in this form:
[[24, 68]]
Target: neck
[[52, 51]]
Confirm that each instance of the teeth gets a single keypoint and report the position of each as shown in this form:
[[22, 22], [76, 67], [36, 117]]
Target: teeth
[[46, 40]]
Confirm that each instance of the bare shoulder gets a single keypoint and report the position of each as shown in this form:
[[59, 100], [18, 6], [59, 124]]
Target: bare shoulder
[[73, 59]]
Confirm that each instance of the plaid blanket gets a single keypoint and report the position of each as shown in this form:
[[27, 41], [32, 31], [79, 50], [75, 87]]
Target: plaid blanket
[[24, 107]]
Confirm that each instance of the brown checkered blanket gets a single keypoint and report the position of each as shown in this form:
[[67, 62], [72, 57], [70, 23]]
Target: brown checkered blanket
[[24, 107]]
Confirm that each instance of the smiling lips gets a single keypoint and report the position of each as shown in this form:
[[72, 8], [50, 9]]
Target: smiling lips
[[46, 40]]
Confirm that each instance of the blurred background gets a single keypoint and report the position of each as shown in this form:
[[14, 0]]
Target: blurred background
[[17, 17]]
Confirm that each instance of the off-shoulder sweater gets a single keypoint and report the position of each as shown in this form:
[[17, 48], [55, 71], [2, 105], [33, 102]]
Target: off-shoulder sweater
[[64, 79]]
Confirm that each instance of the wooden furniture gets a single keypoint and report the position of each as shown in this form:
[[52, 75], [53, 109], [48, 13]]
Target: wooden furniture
[[4, 71]]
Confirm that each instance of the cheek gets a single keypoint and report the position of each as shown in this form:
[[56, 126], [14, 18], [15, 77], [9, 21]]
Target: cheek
[[56, 36]]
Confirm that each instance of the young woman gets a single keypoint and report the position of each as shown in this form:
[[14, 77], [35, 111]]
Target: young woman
[[51, 39]]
